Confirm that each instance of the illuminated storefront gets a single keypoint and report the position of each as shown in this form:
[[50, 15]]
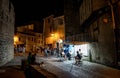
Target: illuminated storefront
[[74, 48]]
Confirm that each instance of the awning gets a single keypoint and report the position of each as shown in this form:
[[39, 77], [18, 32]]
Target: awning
[[76, 43]]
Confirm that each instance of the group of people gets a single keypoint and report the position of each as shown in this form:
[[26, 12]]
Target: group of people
[[68, 55], [20, 49], [49, 51], [31, 59]]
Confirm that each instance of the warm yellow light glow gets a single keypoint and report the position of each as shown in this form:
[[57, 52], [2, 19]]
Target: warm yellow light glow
[[15, 39], [49, 40], [56, 36], [105, 20], [60, 41], [52, 35]]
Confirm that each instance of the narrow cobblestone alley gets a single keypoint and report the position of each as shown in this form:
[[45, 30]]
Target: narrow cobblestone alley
[[65, 69], [86, 70]]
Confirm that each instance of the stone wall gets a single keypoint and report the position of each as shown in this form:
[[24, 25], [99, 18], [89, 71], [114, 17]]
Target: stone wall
[[6, 31], [102, 49]]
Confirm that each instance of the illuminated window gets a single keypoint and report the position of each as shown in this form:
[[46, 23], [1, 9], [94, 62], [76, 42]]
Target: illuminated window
[[31, 27]]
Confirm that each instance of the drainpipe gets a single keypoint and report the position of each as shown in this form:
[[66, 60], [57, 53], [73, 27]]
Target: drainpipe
[[110, 3]]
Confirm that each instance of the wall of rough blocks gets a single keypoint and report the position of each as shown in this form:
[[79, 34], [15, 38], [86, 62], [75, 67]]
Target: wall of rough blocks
[[6, 31], [103, 50]]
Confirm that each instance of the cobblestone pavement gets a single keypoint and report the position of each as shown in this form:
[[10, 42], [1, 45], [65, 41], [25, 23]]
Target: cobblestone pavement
[[67, 69]]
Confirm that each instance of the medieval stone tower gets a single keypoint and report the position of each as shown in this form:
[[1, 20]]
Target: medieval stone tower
[[6, 31]]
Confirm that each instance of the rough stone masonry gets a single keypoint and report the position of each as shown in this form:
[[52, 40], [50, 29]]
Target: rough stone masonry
[[7, 21]]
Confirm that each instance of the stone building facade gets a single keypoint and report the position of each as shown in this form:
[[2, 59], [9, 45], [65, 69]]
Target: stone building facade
[[53, 30], [59, 26], [7, 21], [28, 38], [96, 24], [48, 30]]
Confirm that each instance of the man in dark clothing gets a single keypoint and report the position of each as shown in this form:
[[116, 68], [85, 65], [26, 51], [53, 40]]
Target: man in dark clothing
[[29, 58], [78, 57], [69, 56], [33, 58]]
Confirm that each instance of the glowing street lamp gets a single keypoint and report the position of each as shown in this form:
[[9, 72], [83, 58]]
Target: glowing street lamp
[[60, 41]]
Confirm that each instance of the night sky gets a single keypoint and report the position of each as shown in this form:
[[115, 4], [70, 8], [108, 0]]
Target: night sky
[[31, 10]]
